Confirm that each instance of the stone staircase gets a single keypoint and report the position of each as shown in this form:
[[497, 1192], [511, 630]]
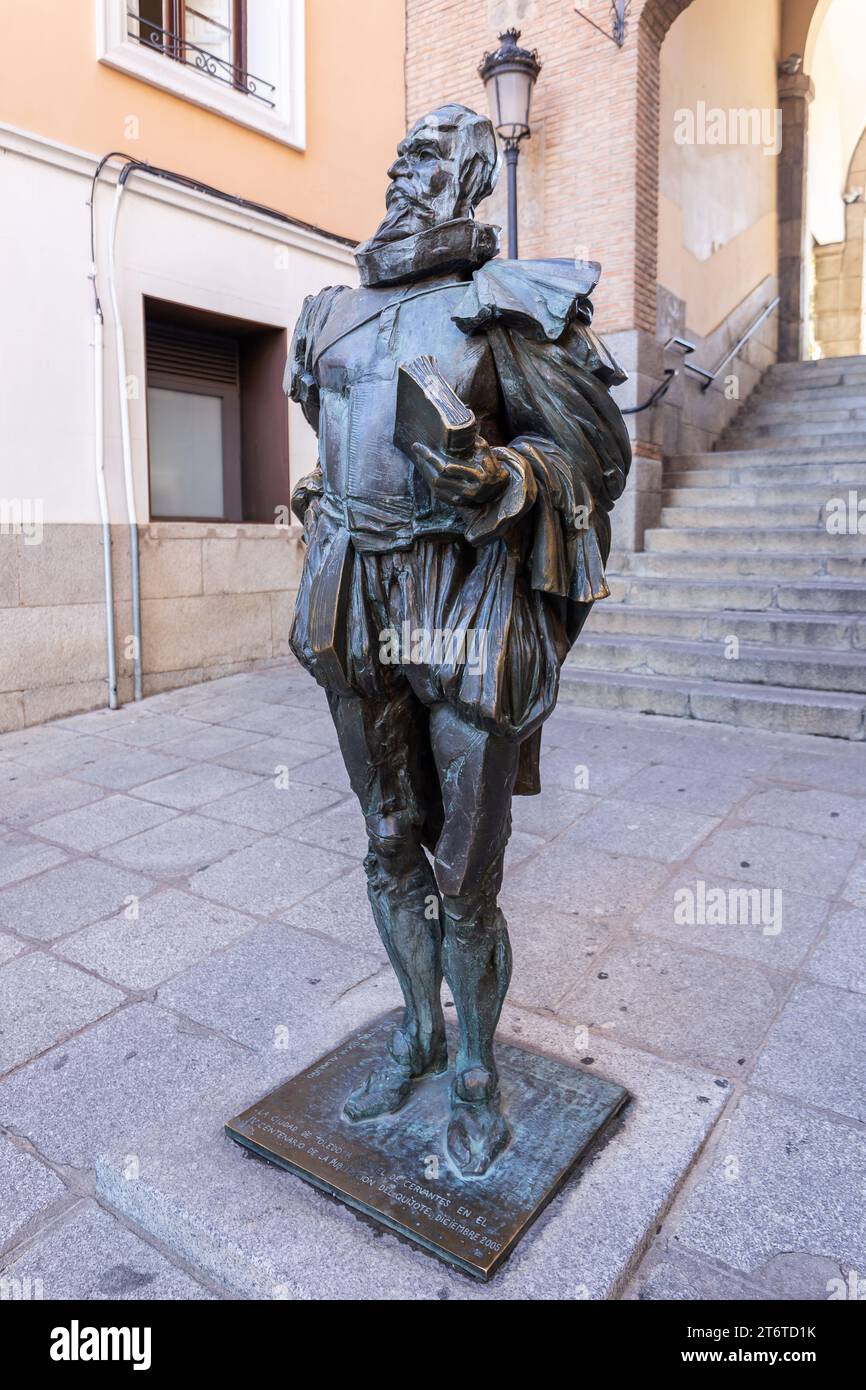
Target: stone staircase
[[743, 608]]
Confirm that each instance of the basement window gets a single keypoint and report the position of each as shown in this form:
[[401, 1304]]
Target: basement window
[[217, 420]]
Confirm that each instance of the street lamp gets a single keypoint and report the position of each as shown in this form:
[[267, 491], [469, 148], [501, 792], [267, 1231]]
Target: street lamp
[[509, 76]]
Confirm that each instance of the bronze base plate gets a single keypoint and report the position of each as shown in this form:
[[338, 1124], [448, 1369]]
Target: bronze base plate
[[395, 1169]]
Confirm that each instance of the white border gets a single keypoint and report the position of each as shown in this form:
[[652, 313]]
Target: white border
[[285, 123]]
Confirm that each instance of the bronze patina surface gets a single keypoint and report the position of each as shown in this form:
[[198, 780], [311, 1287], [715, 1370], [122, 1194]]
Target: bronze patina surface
[[396, 1168]]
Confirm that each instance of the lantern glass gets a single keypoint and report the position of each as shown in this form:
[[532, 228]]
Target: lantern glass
[[509, 93]]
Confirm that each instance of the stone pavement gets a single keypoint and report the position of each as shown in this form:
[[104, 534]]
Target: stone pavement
[[183, 924]]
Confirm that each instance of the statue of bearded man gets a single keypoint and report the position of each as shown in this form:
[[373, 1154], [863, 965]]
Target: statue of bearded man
[[506, 541]]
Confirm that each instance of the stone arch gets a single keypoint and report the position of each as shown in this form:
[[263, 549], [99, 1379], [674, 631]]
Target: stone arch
[[840, 274], [655, 19], [801, 21]]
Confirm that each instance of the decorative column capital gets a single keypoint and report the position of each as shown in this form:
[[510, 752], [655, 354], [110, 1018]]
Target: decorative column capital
[[794, 85]]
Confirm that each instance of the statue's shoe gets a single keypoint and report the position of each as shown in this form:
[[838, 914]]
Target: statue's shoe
[[387, 1088], [477, 1131], [383, 1092]]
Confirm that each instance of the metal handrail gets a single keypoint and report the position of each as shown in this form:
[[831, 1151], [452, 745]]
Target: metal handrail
[[163, 41], [710, 377]]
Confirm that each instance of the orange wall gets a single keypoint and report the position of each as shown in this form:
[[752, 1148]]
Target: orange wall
[[52, 85]]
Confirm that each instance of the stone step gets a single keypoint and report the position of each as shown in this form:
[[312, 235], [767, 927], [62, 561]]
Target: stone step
[[813, 475], [828, 596], [756, 664], [721, 563], [821, 370], [767, 458], [760, 439], [828, 403], [842, 632], [726, 513], [826, 713], [782, 540], [812, 498]]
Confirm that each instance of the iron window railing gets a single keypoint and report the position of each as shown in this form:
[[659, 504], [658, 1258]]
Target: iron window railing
[[178, 47]]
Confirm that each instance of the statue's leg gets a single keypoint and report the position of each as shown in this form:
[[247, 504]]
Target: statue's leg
[[385, 745], [477, 772]]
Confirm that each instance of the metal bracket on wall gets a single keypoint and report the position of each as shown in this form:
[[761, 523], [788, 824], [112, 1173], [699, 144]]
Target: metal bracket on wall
[[619, 14]]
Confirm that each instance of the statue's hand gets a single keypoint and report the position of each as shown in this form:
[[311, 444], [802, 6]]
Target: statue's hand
[[458, 479]]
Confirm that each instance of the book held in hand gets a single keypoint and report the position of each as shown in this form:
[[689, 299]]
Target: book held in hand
[[429, 411]]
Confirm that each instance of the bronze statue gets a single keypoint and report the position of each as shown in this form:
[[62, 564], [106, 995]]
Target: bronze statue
[[457, 531]]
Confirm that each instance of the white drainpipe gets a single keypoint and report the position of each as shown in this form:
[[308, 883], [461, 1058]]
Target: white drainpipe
[[99, 435], [126, 447]]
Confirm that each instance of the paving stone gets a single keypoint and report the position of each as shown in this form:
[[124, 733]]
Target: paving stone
[[68, 897], [854, 888], [102, 823], [172, 931], [54, 751], [28, 1188], [269, 756], [775, 858], [834, 772], [268, 876], [146, 730], [656, 832], [840, 956], [340, 910], [180, 846], [278, 1237], [122, 771], [15, 776], [341, 829], [797, 1190], [521, 847], [43, 1000], [817, 1050], [96, 1090], [684, 1004], [195, 786], [807, 808], [598, 777], [22, 806], [538, 940], [685, 788], [677, 1276], [749, 930], [9, 947], [327, 771], [268, 986], [547, 815], [235, 708], [21, 856], [587, 881], [209, 742], [92, 1256], [281, 721], [271, 808]]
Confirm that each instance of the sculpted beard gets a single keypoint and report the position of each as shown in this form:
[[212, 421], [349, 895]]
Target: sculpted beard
[[404, 217]]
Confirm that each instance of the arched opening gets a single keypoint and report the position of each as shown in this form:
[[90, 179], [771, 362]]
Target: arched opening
[[837, 185]]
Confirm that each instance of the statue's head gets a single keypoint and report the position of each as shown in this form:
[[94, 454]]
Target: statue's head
[[446, 164]]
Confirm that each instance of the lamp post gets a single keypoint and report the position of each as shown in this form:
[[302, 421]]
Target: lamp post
[[509, 76]]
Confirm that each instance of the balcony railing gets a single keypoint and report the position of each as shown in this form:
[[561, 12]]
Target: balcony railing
[[174, 46]]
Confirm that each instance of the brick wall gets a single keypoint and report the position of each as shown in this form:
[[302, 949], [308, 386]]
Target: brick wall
[[588, 177]]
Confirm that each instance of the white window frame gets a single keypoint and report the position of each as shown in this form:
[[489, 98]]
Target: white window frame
[[286, 122]]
